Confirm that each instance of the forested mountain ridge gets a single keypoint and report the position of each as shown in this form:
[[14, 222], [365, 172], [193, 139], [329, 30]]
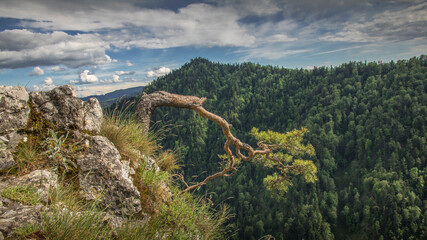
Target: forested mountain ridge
[[367, 122]]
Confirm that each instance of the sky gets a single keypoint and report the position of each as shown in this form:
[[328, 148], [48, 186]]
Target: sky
[[100, 46]]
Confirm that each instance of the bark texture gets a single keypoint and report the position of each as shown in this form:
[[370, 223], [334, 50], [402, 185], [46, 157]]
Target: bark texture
[[149, 102]]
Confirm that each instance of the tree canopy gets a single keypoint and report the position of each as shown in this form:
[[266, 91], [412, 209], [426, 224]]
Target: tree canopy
[[367, 122]]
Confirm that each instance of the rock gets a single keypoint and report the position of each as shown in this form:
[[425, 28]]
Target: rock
[[14, 109], [14, 112], [43, 180], [150, 163], [62, 107], [6, 160], [8, 144], [19, 216], [104, 177]]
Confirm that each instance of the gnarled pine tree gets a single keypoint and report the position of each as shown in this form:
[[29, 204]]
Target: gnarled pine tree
[[279, 150]]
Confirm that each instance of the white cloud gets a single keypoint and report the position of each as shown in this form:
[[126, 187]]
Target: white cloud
[[130, 26], [114, 79], [37, 71], [57, 69], [280, 38], [23, 48], [158, 73], [87, 77], [267, 29], [120, 73], [45, 86], [48, 81], [196, 24]]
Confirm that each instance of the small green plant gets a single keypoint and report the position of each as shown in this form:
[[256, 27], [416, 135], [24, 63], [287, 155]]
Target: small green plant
[[26, 194], [29, 231], [28, 156], [59, 151]]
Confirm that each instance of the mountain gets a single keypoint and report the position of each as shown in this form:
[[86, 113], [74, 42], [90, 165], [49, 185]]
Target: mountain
[[108, 99], [367, 122]]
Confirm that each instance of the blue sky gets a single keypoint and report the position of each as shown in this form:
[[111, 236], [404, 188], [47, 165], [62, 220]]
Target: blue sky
[[101, 46]]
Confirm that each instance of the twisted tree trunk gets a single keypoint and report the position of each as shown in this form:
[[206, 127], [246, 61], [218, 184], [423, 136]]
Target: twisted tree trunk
[[149, 102]]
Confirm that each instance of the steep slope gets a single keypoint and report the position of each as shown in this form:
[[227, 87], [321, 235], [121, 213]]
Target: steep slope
[[367, 122]]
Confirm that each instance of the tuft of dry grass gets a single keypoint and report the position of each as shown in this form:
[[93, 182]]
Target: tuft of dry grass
[[168, 161], [127, 136]]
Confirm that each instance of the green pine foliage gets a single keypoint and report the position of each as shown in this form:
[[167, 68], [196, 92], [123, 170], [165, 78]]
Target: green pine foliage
[[367, 122], [286, 147]]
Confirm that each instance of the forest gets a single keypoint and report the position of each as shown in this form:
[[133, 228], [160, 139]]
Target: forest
[[366, 121]]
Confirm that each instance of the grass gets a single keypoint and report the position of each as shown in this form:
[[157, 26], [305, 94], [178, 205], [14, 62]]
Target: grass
[[172, 215], [127, 136], [188, 217], [28, 156], [26, 194]]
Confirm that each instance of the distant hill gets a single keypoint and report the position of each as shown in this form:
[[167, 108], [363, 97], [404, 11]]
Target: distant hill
[[108, 99]]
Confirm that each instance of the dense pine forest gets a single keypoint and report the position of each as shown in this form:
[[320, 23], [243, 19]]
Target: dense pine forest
[[367, 122]]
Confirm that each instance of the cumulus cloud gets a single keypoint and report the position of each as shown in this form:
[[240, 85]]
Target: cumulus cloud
[[158, 72], [37, 71], [48, 81], [115, 79], [23, 48], [45, 86], [87, 77]]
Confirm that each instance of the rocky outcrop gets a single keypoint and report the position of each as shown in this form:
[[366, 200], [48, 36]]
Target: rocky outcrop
[[42, 180], [14, 109], [12, 217], [14, 112], [101, 173], [63, 108], [103, 176]]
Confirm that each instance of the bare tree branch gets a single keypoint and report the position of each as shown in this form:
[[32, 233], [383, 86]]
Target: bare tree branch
[[149, 102]]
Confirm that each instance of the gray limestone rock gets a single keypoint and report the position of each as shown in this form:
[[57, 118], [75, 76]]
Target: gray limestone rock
[[19, 216], [104, 177], [14, 109], [6, 159], [43, 180], [62, 107], [8, 143]]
